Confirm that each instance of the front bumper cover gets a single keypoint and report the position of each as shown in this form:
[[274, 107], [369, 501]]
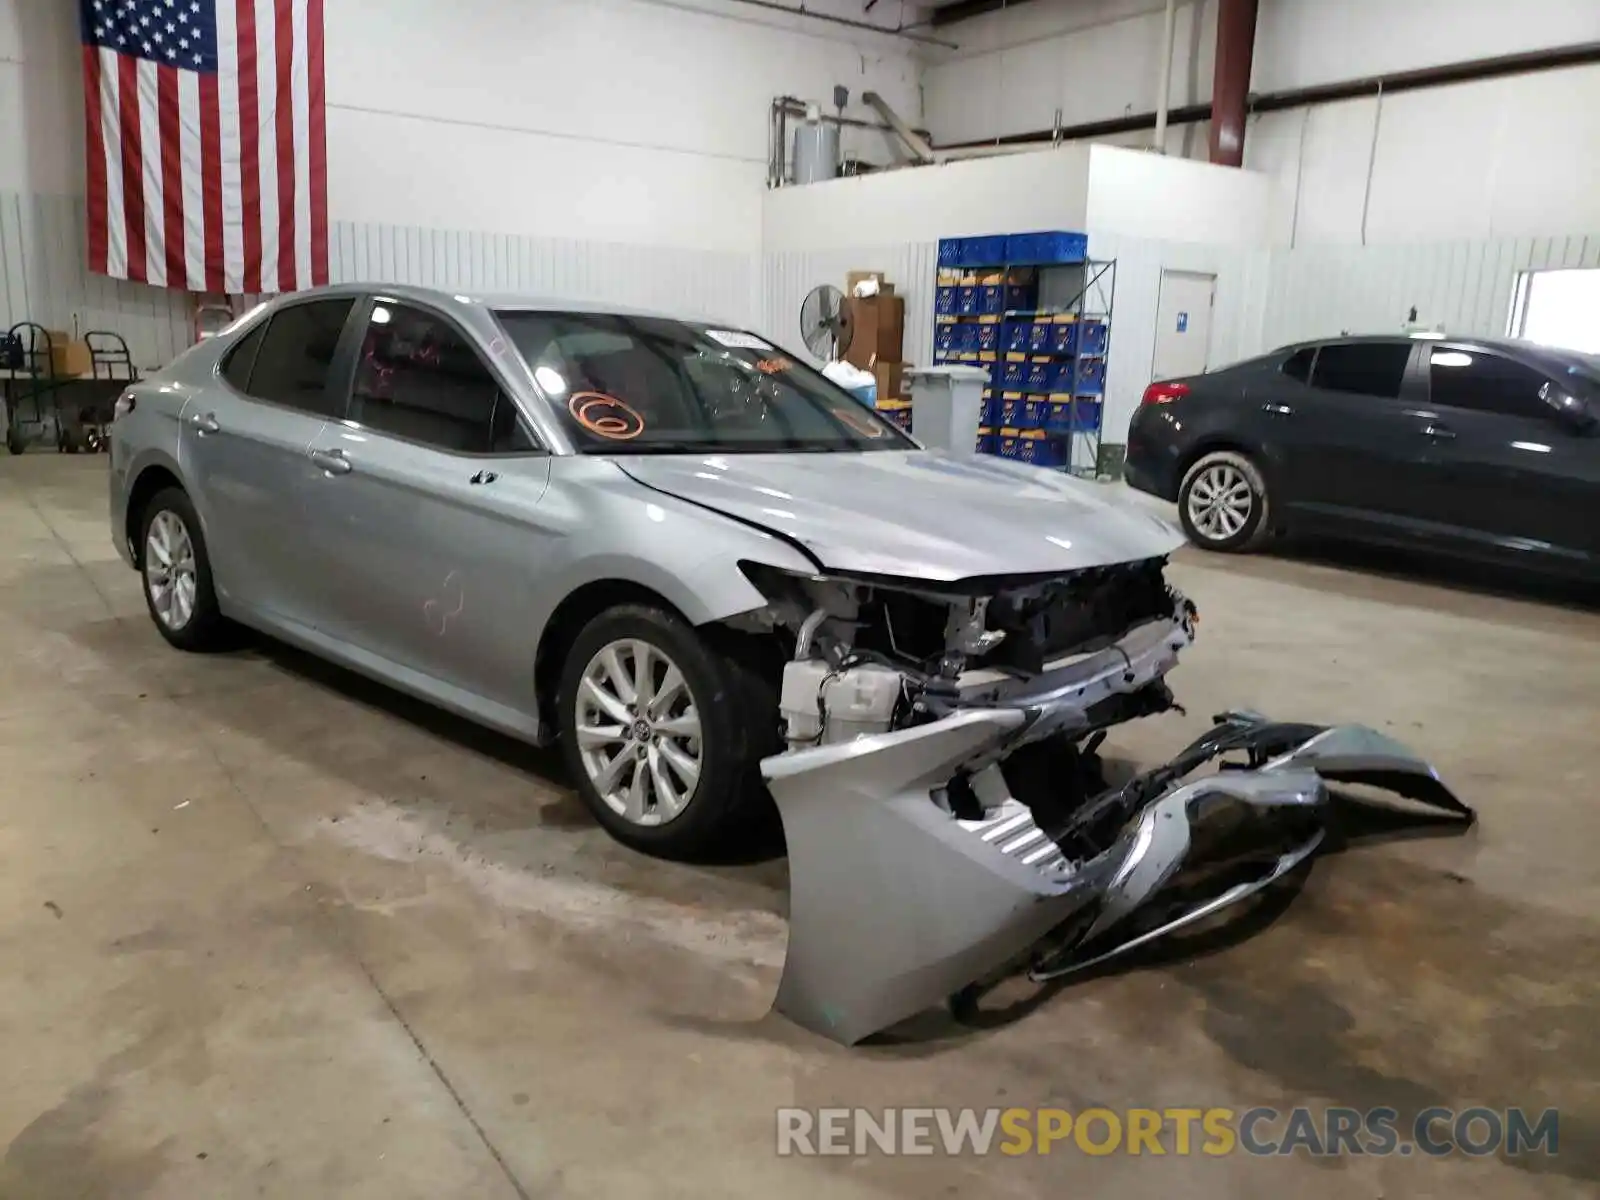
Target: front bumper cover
[[896, 905]]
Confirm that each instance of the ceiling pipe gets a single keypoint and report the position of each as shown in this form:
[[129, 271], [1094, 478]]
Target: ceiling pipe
[[1230, 87], [1164, 87], [1580, 55], [914, 141], [849, 23]]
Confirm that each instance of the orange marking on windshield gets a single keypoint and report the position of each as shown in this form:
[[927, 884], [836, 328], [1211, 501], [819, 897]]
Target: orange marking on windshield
[[605, 416]]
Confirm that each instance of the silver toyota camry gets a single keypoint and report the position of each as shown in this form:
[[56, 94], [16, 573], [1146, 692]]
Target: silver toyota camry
[[717, 580]]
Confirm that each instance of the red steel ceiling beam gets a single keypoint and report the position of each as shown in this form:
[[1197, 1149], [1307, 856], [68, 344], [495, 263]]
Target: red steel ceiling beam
[[1230, 89]]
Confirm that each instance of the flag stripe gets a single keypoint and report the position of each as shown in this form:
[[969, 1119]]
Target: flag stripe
[[266, 118], [214, 259], [283, 45], [190, 165], [95, 147], [233, 218], [249, 146], [316, 99], [132, 164], [111, 138], [171, 133], [302, 146], [155, 229]]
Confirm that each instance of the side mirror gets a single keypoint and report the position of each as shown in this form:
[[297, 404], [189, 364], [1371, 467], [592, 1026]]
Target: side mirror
[[1574, 411]]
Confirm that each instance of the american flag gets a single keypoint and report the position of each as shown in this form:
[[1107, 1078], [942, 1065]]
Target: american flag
[[207, 144]]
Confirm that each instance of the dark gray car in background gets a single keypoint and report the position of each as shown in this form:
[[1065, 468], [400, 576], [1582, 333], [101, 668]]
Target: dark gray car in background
[[1479, 448]]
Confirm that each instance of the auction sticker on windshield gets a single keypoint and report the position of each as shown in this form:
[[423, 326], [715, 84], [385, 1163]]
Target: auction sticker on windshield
[[737, 341]]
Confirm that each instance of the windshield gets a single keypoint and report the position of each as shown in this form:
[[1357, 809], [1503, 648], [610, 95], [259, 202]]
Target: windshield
[[647, 385]]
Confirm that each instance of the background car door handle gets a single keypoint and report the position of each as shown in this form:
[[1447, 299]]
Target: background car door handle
[[1281, 410], [1440, 433], [484, 477], [205, 422], [332, 461]]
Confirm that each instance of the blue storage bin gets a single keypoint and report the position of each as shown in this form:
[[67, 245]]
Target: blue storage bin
[[966, 300], [1015, 335], [986, 251], [1042, 452], [950, 252], [992, 298], [1063, 416], [1055, 246], [945, 334], [1010, 410], [987, 335], [990, 413], [1035, 411], [944, 301], [1093, 338], [1019, 297], [1041, 375], [1064, 337], [1039, 335], [1091, 376], [988, 443]]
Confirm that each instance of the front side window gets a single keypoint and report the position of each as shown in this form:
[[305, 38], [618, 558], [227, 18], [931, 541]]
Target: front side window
[[1298, 365], [419, 378], [296, 351], [649, 385], [1362, 368], [1473, 379]]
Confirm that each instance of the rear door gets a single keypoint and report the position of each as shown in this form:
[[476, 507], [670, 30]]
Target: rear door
[[1507, 475], [244, 443], [1346, 438]]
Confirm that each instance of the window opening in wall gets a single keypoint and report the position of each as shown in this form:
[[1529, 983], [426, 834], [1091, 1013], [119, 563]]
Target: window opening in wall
[[1558, 308]]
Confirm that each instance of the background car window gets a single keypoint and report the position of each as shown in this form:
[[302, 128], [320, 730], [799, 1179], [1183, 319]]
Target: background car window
[[419, 378], [291, 365], [1299, 364], [1362, 368], [241, 359], [1487, 383]]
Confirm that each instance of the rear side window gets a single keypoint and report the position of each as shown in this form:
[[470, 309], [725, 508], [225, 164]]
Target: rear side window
[[241, 359], [1299, 365], [1487, 383], [420, 379], [1362, 369], [291, 365]]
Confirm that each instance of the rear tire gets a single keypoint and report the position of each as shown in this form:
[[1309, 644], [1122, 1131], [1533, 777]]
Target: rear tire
[[175, 571], [628, 761], [1223, 503]]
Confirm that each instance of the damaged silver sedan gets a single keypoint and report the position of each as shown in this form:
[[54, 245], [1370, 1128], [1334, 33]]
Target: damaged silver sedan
[[712, 577]]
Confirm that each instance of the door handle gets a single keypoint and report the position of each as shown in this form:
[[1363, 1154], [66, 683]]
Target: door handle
[[332, 461], [1281, 410], [1439, 433], [205, 422], [484, 477]]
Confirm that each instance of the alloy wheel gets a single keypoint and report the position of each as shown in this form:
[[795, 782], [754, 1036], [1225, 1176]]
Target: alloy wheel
[[169, 570], [638, 732], [1220, 501]]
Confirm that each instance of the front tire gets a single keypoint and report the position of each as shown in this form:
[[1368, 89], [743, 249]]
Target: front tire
[[1223, 503], [662, 734], [176, 573]]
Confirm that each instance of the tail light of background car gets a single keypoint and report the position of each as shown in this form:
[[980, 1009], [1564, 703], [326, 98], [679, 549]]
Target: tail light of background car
[[124, 405], [1164, 393]]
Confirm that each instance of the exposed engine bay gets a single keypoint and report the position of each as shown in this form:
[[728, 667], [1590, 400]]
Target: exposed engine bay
[[940, 796]]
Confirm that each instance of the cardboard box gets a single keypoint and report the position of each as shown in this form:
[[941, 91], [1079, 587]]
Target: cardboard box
[[885, 288], [69, 356], [891, 381], [879, 330]]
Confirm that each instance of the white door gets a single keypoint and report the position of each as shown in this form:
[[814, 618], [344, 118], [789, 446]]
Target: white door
[[1183, 324]]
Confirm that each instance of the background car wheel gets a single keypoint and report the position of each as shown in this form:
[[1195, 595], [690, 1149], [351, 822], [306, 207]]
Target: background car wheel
[[176, 573], [662, 732], [1223, 502]]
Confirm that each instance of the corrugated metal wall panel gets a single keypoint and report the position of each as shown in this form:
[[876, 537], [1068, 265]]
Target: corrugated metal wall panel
[[1467, 287]]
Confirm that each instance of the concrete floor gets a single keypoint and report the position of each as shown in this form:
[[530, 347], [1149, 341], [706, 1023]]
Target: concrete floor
[[267, 930]]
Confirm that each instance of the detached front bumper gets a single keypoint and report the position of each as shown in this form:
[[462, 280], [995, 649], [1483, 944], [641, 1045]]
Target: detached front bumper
[[897, 905]]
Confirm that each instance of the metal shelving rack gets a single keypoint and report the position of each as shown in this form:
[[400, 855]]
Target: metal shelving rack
[[1074, 291]]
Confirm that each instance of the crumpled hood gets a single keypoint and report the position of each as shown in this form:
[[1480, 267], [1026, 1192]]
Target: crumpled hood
[[917, 514]]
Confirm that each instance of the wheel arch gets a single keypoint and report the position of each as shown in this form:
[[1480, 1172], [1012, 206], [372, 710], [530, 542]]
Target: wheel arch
[[152, 478]]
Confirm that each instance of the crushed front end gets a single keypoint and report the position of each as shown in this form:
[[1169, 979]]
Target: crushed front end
[[940, 800]]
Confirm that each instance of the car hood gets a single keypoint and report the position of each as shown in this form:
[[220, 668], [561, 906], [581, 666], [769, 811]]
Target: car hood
[[917, 514]]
